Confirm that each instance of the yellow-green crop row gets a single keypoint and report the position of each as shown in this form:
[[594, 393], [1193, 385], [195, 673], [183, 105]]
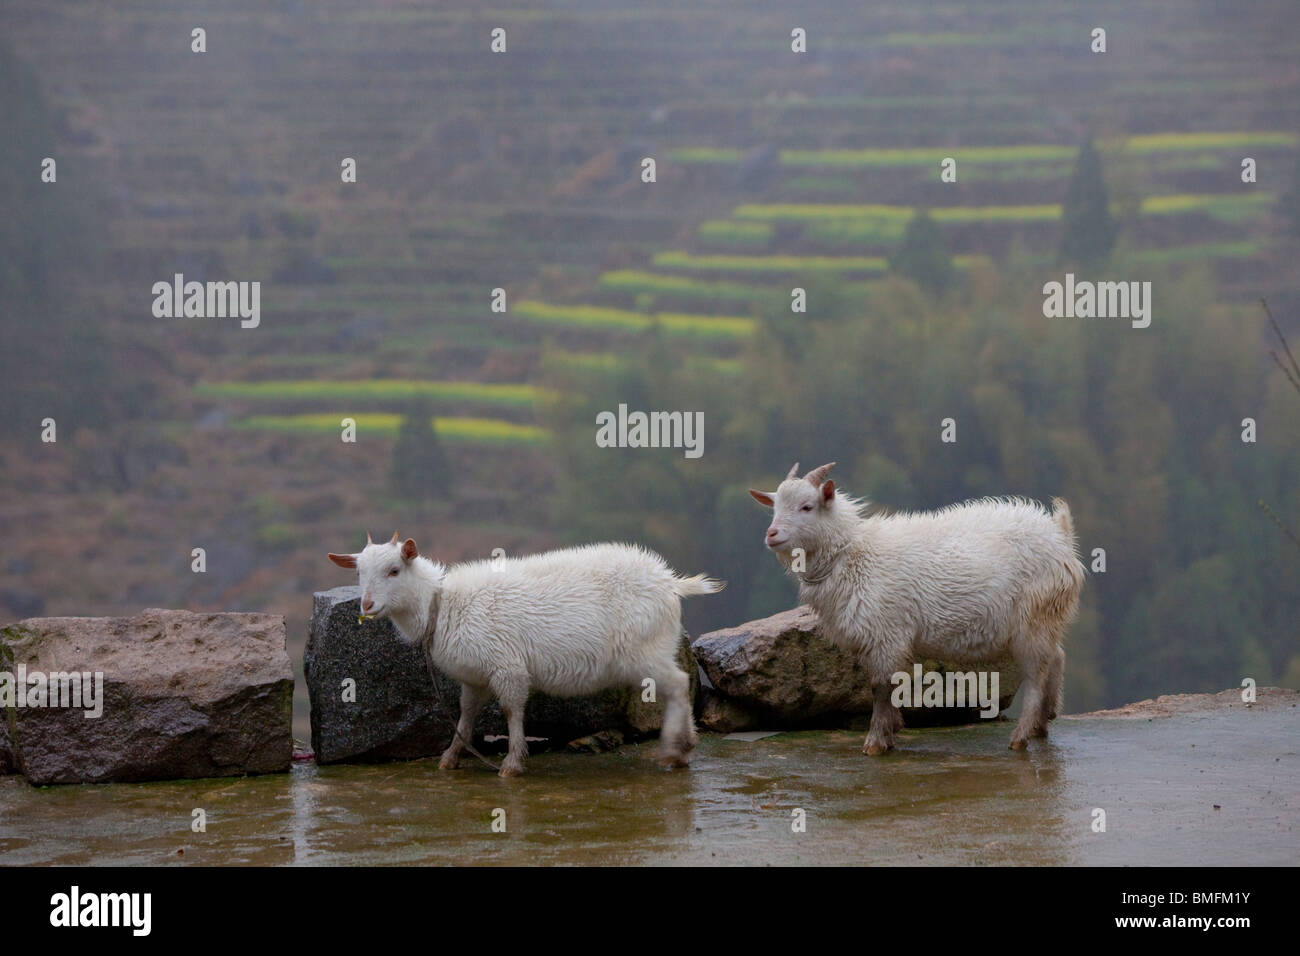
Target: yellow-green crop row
[[964, 214], [1243, 249], [678, 259], [813, 212], [375, 390], [639, 281], [731, 231], [882, 217], [1023, 153], [890, 215], [925, 156], [857, 230], [1223, 206], [1182, 142], [477, 430], [601, 317]]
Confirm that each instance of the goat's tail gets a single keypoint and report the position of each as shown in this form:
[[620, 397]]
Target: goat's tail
[[1074, 567], [698, 584], [1064, 520]]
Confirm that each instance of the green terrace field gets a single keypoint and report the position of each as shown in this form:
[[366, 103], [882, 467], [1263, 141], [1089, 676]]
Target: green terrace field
[[622, 320], [1058, 155], [377, 391], [868, 225], [730, 232], [344, 397], [1227, 208], [642, 282], [785, 265], [677, 259], [482, 431]]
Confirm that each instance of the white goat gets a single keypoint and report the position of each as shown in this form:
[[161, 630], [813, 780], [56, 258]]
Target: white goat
[[971, 583], [566, 622]]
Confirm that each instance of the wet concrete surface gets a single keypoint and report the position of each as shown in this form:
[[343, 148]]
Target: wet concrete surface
[[954, 796]]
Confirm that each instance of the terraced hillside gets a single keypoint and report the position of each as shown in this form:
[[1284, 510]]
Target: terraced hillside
[[521, 172]]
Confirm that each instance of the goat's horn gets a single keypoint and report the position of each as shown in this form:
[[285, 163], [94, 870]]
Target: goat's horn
[[793, 471], [394, 541], [368, 541], [818, 475]]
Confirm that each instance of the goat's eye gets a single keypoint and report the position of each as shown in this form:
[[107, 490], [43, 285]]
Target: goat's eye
[[806, 508], [393, 573]]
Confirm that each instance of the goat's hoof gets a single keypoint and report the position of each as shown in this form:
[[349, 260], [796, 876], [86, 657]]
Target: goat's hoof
[[875, 750], [449, 763], [1019, 743], [511, 770], [674, 761]]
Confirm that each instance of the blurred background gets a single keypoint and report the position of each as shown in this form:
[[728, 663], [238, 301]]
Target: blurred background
[[522, 171]]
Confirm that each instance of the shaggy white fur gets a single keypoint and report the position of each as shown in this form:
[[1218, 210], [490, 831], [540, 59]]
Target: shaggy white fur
[[566, 622], [973, 583]]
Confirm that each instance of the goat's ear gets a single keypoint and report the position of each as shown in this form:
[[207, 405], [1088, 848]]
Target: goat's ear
[[828, 490], [409, 550], [762, 497], [344, 560]]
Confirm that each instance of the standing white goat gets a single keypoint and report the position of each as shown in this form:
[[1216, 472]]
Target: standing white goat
[[567, 622], [971, 583]]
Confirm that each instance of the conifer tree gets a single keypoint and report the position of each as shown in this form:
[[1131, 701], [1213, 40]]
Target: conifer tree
[[420, 469], [1088, 230], [923, 257]]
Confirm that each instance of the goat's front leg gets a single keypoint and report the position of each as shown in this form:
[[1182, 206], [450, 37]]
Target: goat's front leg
[[886, 720], [472, 700], [512, 690]]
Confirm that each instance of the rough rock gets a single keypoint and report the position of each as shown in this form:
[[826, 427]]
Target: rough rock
[[184, 695], [1169, 705], [780, 672], [6, 753], [399, 713], [722, 715]]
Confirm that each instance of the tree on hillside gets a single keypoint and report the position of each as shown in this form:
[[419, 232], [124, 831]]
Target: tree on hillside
[[923, 257], [1088, 231], [420, 468]]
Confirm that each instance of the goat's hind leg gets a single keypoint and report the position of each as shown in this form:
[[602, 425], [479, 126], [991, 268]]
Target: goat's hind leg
[[677, 737], [512, 690], [1055, 694], [472, 700], [1039, 657]]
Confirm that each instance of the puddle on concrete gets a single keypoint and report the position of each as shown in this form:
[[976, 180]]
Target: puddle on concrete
[[951, 796]]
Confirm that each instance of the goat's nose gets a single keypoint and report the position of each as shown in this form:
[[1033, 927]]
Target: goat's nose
[[367, 604], [771, 532]]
